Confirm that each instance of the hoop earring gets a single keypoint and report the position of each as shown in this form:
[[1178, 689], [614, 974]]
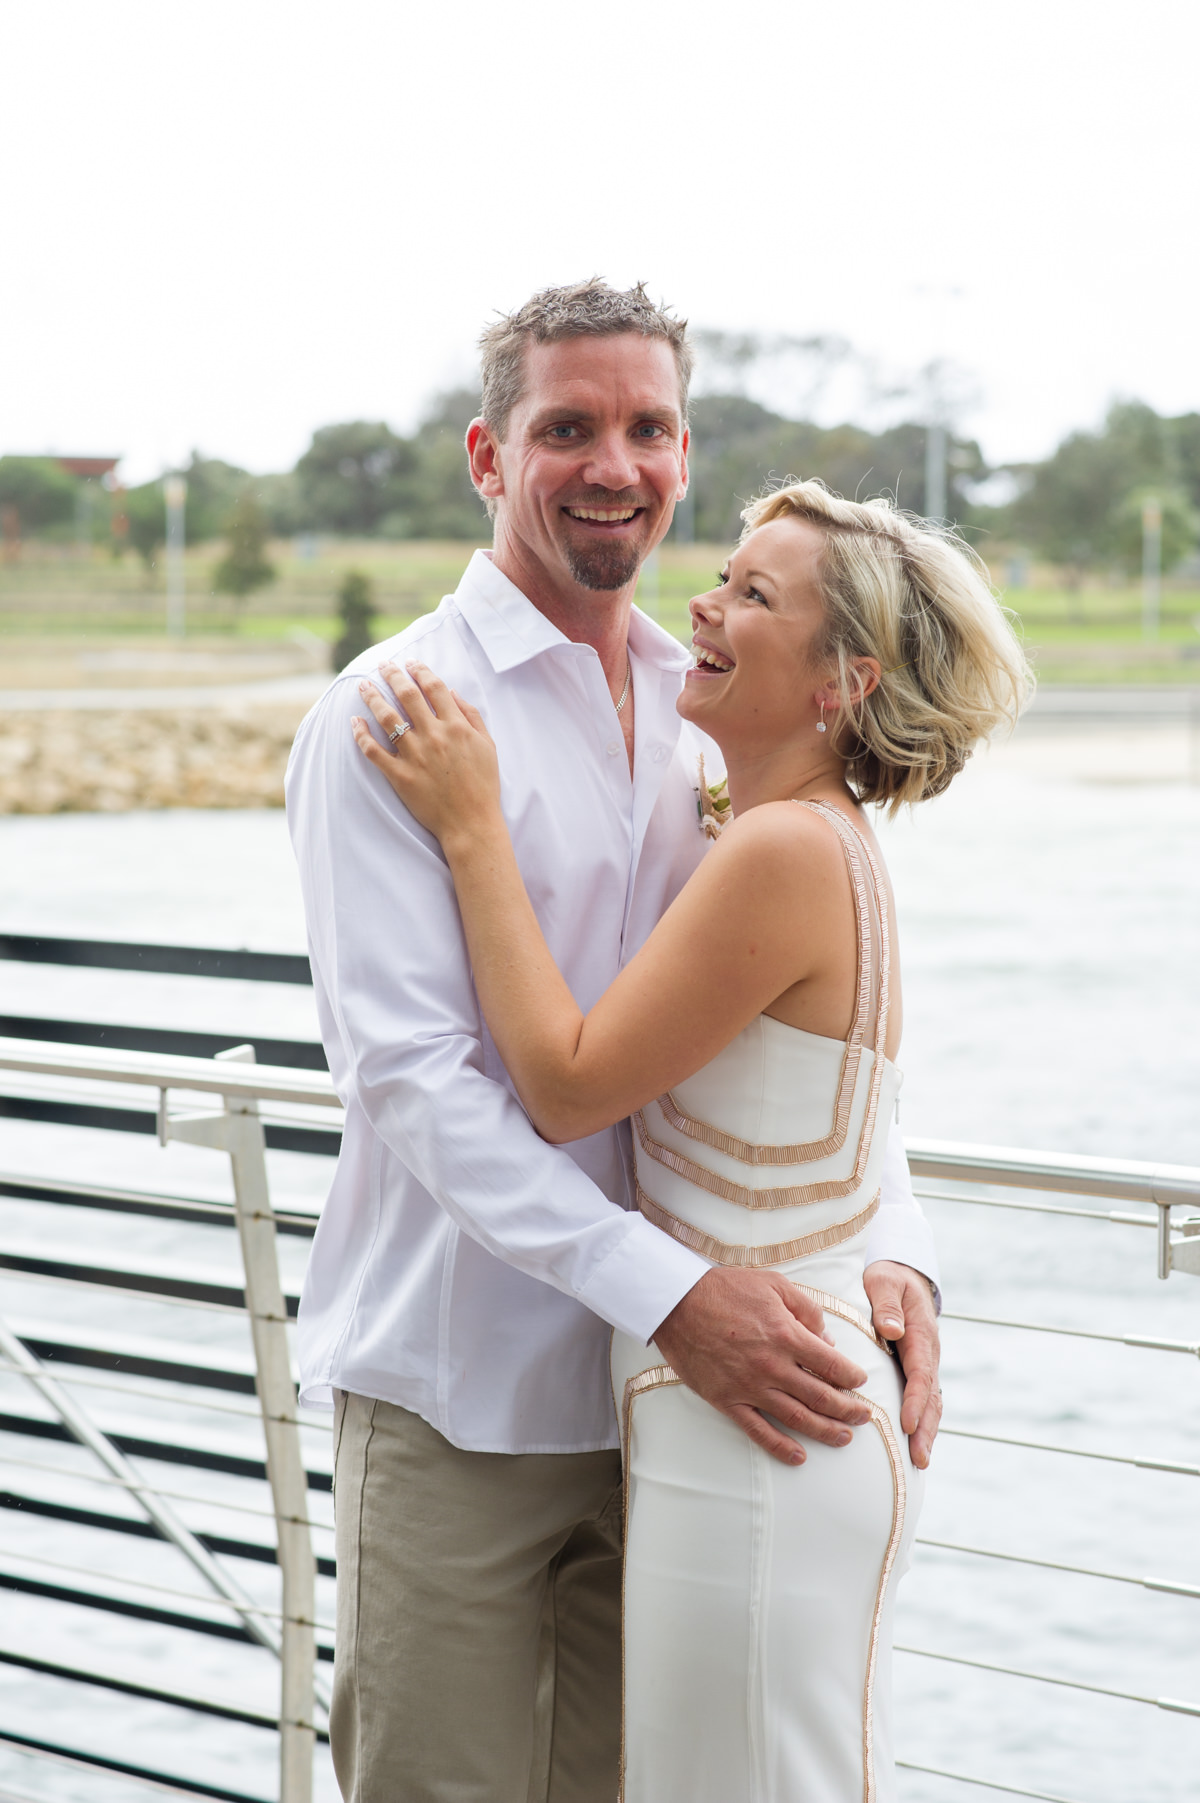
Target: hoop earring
[[821, 726]]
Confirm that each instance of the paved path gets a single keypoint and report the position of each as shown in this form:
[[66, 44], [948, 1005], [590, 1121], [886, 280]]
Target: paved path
[[301, 690]]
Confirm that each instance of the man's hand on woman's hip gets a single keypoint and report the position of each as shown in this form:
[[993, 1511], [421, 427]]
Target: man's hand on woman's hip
[[902, 1311], [752, 1344]]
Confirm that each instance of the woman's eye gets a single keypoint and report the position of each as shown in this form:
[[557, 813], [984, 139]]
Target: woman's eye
[[722, 579], [756, 596]]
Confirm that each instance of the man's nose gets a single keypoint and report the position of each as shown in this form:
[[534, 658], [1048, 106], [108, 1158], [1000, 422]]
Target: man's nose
[[611, 463]]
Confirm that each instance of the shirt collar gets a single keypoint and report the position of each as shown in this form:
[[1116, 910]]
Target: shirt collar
[[511, 630]]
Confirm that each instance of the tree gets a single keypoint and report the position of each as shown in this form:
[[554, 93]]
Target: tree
[[1071, 511], [356, 611], [145, 510], [244, 566], [213, 491], [350, 478], [738, 446], [42, 493]]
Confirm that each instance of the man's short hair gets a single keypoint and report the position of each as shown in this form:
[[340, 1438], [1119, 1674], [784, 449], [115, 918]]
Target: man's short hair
[[580, 310]]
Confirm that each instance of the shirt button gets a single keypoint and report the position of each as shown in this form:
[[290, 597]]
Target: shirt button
[[612, 748], [660, 752]]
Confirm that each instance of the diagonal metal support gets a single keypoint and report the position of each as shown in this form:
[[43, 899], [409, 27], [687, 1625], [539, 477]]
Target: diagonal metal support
[[82, 1428]]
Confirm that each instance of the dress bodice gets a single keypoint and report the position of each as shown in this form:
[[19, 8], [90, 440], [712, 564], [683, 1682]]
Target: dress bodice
[[773, 1151]]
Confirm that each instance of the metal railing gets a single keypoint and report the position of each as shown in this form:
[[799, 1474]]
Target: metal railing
[[225, 1092]]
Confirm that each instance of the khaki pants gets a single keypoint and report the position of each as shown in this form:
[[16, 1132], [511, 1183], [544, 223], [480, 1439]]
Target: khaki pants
[[478, 1618]]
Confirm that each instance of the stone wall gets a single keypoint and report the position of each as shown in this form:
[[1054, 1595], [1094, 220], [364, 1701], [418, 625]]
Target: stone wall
[[111, 761]]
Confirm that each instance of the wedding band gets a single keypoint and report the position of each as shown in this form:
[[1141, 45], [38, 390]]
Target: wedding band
[[398, 732]]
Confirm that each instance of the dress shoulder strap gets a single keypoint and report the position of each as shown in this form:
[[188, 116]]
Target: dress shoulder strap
[[867, 884]]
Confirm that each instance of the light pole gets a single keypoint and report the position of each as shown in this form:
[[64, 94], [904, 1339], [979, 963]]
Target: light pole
[[1151, 565], [175, 496], [935, 473]]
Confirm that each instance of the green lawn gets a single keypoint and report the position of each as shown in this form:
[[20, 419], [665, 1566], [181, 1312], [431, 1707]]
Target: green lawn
[[1091, 635]]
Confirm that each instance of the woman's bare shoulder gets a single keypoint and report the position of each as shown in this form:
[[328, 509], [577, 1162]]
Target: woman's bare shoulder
[[780, 838]]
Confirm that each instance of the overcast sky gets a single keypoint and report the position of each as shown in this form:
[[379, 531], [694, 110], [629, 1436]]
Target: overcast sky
[[227, 223]]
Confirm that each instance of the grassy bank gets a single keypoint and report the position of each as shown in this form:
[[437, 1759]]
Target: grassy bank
[[1092, 634]]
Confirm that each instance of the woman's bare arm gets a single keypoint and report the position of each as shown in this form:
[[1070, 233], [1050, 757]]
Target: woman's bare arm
[[753, 921]]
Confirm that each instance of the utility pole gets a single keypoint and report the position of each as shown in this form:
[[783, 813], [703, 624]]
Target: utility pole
[[935, 473], [1151, 565], [175, 496]]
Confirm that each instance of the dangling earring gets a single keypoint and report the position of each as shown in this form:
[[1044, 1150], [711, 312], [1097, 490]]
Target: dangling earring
[[821, 726]]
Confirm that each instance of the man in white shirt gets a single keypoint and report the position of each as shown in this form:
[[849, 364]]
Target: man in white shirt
[[465, 1274]]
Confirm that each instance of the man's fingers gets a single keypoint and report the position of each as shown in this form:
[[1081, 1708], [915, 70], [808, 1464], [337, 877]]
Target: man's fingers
[[806, 1308], [887, 1309], [757, 1428], [921, 1443], [815, 1355]]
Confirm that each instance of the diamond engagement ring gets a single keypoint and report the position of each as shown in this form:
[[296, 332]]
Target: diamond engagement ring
[[398, 732]]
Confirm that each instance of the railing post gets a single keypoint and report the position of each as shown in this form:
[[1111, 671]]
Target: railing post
[[285, 1462]]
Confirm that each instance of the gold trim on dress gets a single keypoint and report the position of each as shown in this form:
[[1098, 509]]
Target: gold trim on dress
[[754, 1257], [837, 1305], [653, 1378], [808, 1151], [792, 1195], [899, 1497]]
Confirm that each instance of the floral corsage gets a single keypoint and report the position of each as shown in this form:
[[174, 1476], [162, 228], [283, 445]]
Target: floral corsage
[[713, 804]]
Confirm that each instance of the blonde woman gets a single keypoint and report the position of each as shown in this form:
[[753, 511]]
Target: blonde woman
[[849, 655]]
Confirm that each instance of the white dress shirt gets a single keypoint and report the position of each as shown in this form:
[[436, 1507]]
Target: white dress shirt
[[462, 1267]]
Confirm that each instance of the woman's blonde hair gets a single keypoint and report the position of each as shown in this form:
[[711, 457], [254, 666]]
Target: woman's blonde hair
[[915, 597]]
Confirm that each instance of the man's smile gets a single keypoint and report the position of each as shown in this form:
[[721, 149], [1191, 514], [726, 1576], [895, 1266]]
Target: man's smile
[[605, 517]]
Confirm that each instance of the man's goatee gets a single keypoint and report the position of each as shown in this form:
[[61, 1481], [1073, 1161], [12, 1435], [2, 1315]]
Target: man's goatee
[[604, 566]]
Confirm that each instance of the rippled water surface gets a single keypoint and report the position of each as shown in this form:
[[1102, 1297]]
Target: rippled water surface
[[1051, 942]]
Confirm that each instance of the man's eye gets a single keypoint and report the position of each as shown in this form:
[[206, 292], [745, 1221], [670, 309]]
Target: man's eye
[[562, 431], [649, 430]]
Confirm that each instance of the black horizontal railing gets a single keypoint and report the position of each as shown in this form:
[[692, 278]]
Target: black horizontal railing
[[296, 1054], [280, 1137], [21, 1585], [170, 1780], [132, 1527], [133, 1202], [50, 1668], [158, 960], [201, 1458]]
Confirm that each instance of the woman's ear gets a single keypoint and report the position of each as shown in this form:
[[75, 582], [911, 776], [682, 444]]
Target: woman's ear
[[867, 671]]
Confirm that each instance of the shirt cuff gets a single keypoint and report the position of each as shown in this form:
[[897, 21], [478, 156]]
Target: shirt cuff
[[904, 1236], [642, 1280]]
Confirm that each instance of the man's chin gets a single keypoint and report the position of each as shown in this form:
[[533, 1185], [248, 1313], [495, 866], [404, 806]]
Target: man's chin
[[604, 567]]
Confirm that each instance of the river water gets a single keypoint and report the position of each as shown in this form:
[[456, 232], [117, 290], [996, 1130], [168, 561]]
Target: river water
[[1050, 936]]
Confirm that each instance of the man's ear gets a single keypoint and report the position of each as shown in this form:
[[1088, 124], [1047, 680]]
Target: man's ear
[[483, 458], [684, 447]]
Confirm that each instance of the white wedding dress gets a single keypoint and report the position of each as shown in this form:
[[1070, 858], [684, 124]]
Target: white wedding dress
[[758, 1597]]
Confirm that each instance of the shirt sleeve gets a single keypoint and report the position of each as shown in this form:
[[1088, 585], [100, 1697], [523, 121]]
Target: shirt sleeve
[[900, 1231], [406, 1042]]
